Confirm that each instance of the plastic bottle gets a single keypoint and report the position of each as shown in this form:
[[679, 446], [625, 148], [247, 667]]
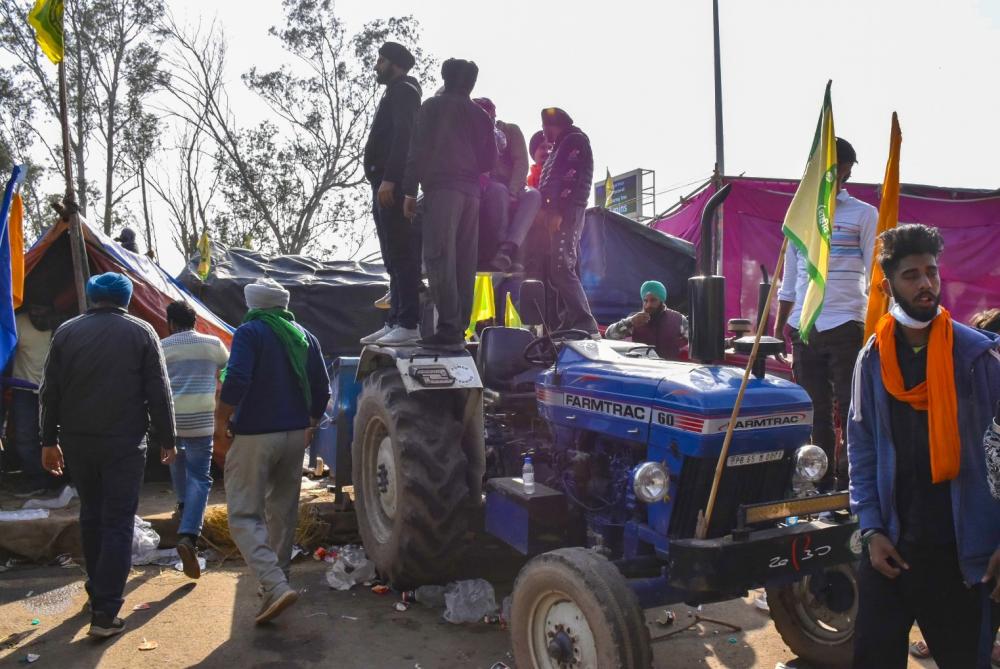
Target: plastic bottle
[[528, 476]]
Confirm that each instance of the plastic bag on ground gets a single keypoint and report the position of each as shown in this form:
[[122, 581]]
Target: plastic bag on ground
[[469, 601], [145, 541], [60, 502], [430, 595], [351, 567]]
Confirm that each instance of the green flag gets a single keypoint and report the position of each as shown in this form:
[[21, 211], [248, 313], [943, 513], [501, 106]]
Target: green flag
[[809, 220], [46, 17]]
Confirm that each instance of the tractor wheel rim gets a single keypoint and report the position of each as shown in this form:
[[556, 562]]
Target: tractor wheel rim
[[377, 446], [557, 622], [820, 622], [385, 476]]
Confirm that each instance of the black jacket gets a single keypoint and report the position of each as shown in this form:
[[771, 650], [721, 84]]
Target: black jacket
[[452, 144], [389, 138], [570, 167], [105, 377]]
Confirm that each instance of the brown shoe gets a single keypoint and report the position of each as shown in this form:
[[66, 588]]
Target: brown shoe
[[189, 557], [275, 604]]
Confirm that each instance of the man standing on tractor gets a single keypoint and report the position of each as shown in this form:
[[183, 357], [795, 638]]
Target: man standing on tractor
[[657, 325], [274, 393], [385, 160], [565, 187], [453, 144], [925, 391], [827, 361]]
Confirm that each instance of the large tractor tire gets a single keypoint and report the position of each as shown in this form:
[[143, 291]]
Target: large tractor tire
[[573, 609], [409, 470], [816, 616]]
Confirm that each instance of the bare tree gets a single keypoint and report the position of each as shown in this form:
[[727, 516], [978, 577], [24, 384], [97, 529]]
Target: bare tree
[[295, 180]]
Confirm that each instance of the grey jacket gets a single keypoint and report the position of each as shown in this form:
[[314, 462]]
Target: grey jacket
[[105, 376]]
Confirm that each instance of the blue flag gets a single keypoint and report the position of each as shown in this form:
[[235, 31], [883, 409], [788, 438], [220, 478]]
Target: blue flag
[[8, 330]]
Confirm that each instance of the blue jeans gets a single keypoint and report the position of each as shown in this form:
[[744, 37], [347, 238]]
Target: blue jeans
[[191, 473], [27, 440]]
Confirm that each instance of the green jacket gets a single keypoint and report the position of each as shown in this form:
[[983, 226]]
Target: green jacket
[[512, 166]]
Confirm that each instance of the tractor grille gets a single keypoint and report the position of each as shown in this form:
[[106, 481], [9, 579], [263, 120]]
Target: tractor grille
[[745, 484]]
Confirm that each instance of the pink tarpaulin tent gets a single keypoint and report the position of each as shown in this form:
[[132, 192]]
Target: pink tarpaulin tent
[[969, 221]]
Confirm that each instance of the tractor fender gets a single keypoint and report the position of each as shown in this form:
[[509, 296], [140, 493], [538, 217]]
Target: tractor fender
[[423, 369]]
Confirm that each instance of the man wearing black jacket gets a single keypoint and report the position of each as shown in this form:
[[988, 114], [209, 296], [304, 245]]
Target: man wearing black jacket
[[453, 143], [104, 386], [385, 160], [565, 187]]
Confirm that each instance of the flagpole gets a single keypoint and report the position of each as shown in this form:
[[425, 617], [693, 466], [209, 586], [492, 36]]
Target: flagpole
[[705, 520], [70, 210]]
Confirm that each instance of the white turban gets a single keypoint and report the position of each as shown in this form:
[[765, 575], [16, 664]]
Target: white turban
[[265, 294]]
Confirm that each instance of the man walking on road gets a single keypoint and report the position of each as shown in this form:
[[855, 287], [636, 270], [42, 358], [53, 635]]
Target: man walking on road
[[104, 385], [194, 361], [925, 391], [825, 363], [453, 144], [385, 160], [275, 391]]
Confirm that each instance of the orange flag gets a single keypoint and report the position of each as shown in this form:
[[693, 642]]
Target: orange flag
[[888, 217], [16, 227]]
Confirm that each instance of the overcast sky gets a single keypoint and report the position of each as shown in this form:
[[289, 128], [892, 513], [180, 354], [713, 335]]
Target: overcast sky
[[637, 77]]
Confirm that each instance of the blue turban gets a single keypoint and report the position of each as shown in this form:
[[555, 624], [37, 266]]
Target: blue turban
[[654, 287], [110, 287]]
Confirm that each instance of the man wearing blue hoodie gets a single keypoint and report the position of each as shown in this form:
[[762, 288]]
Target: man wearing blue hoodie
[[924, 393]]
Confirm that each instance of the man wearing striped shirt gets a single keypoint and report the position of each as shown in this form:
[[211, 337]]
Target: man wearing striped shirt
[[194, 361], [826, 363]]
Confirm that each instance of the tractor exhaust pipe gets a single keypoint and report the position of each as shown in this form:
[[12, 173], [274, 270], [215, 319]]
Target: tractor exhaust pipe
[[707, 293]]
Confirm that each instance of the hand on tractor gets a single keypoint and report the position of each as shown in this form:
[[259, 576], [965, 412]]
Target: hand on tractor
[[885, 558]]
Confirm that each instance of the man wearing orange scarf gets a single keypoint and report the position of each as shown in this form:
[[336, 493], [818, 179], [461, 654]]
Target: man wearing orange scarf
[[924, 392]]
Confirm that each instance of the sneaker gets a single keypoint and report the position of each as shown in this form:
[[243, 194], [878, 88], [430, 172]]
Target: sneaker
[[383, 302], [400, 336], [375, 336], [104, 626], [276, 603], [442, 342], [516, 268], [189, 556], [501, 261]]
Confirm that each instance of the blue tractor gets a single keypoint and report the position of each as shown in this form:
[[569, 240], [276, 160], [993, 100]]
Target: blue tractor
[[625, 448]]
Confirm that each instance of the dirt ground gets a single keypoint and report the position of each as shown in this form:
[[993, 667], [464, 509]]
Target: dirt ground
[[209, 622]]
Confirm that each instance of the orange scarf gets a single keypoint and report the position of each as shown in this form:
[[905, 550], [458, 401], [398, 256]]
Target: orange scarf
[[936, 395]]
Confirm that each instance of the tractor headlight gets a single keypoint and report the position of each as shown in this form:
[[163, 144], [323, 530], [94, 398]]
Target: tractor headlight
[[651, 482], [810, 463]]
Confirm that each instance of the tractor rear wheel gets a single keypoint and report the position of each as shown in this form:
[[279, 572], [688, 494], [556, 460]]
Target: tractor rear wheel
[[410, 490]]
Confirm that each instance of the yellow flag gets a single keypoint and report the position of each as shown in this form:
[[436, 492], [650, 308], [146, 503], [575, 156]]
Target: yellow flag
[[888, 217], [205, 253], [15, 226], [609, 190], [511, 318], [46, 17], [809, 220], [483, 302]]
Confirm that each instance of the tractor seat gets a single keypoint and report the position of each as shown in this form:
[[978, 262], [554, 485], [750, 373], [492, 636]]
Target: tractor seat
[[501, 360]]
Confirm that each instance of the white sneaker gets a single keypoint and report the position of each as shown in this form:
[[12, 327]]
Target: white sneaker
[[375, 336], [400, 337]]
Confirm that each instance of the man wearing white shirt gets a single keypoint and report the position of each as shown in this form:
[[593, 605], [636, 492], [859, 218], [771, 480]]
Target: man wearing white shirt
[[825, 365]]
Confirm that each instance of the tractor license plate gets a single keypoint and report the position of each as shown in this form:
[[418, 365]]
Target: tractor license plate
[[753, 458]]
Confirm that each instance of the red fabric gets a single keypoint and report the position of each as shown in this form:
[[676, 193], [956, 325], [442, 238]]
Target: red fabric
[[753, 213], [534, 175]]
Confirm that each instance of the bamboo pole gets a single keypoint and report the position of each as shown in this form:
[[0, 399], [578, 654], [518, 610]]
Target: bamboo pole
[[704, 519], [70, 210]]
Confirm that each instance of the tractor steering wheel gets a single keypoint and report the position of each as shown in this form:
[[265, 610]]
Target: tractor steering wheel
[[542, 350]]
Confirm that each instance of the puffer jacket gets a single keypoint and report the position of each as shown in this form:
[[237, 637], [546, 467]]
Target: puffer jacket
[[569, 169]]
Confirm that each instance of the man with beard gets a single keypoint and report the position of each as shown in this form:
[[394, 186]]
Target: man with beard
[[925, 390], [385, 160], [826, 361], [664, 329]]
